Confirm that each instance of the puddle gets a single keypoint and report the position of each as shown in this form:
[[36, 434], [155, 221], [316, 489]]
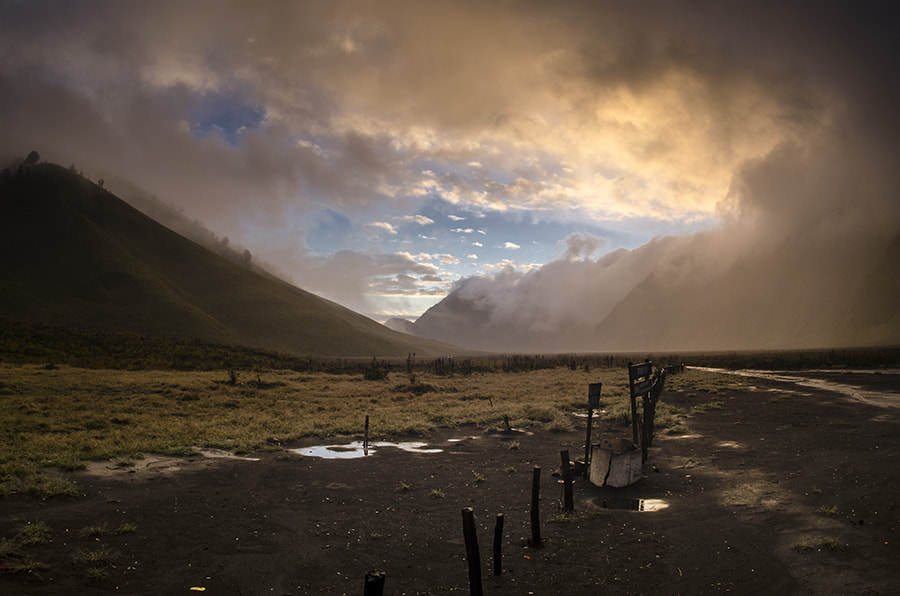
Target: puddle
[[581, 414], [641, 505], [355, 449]]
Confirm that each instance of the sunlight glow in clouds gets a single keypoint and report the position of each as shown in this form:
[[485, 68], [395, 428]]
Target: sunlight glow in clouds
[[337, 139]]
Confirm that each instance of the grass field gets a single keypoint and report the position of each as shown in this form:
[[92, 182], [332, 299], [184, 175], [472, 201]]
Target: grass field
[[61, 416]]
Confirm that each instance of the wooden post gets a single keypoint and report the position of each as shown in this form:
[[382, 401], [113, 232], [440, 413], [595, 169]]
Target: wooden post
[[637, 386], [569, 502], [645, 430], [366, 438], [587, 442], [593, 402], [374, 583], [498, 543], [536, 507], [472, 554], [634, 428]]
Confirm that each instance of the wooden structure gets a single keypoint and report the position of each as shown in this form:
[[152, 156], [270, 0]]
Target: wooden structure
[[615, 462], [647, 385]]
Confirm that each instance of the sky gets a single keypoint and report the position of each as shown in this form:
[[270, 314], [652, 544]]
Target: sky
[[380, 153]]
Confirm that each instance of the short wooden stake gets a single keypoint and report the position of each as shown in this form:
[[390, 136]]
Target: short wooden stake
[[472, 554], [498, 544], [374, 583], [536, 507], [569, 501]]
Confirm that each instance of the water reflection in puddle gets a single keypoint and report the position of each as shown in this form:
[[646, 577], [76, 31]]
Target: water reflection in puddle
[[356, 449], [643, 505]]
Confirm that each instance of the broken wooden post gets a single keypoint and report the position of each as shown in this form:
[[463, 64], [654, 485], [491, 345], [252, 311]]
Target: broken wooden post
[[472, 554], [639, 382], [536, 507], [568, 500], [650, 399], [498, 543], [374, 583], [593, 402]]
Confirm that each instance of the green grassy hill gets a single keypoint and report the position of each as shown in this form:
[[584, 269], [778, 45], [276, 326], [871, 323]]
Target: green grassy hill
[[75, 255]]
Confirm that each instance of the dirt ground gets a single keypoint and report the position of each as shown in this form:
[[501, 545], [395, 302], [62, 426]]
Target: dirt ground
[[785, 489]]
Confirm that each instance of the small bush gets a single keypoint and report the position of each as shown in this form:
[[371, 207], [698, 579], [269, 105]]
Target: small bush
[[100, 557], [94, 531], [9, 548], [27, 567], [126, 529], [801, 547], [31, 533]]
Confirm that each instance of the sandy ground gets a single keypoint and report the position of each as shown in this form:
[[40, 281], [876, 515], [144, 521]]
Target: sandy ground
[[778, 468]]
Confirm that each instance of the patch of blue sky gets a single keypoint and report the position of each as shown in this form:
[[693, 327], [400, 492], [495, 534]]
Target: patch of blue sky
[[331, 232], [228, 114]]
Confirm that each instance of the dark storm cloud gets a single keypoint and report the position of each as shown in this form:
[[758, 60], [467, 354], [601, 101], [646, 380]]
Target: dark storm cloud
[[778, 118]]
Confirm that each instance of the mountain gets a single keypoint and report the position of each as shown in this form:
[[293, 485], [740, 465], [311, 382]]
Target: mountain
[[801, 296], [684, 294], [76, 255]]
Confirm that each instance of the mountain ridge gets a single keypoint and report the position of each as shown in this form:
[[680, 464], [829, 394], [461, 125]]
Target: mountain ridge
[[77, 255], [676, 294]]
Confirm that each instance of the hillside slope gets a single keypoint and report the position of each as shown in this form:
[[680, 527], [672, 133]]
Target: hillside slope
[[76, 255]]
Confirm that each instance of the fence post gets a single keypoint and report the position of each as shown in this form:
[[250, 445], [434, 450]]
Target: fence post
[[472, 554], [634, 423], [536, 507], [366, 438], [498, 543], [593, 402], [374, 583]]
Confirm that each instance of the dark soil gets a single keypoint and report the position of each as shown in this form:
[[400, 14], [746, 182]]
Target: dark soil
[[783, 490]]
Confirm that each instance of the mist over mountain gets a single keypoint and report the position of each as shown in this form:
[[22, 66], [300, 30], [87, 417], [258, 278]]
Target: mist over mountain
[[76, 255], [806, 252], [807, 257]]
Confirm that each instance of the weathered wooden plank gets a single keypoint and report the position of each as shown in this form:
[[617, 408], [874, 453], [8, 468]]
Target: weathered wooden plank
[[641, 387], [594, 390], [637, 371]]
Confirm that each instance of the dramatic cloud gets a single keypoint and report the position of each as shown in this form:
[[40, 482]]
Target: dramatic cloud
[[582, 246], [607, 141]]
